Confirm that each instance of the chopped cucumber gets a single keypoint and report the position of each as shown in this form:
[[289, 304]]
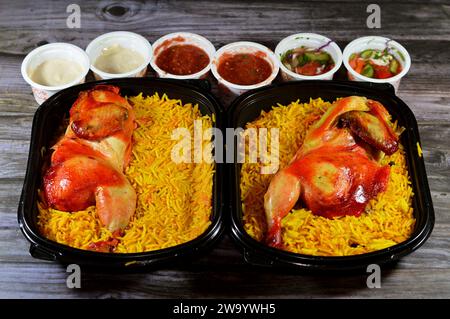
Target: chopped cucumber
[[393, 67], [321, 57], [367, 71], [366, 54], [301, 60], [352, 56]]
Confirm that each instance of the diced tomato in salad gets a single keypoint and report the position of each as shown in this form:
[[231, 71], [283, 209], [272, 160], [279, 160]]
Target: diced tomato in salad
[[382, 72], [308, 68], [357, 64], [307, 61]]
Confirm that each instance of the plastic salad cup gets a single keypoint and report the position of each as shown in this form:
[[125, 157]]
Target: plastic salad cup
[[378, 43], [309, 40], [178, 38]]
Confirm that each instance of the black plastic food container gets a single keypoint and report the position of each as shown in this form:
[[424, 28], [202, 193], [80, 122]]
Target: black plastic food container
[[48, 118], [249, 106]]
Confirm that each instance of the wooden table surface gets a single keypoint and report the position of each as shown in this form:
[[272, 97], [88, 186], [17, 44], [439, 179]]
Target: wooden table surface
[[423, 28]]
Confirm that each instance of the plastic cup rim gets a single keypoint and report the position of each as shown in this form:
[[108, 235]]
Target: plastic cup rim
[[317, 36]]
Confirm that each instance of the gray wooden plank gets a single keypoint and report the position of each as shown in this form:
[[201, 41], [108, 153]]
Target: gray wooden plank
[[216, 275], [252, 20], [49, 281], [17, 102], [13, 158], [25, 26], [15, 127], [427, 107]]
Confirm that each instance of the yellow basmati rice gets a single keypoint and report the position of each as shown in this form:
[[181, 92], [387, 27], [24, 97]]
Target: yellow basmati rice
[[387, 220], [173, 200], [419, 150]]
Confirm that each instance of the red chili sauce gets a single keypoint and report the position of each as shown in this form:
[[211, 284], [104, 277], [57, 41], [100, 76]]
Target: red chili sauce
[[244, 68], [182, 59]]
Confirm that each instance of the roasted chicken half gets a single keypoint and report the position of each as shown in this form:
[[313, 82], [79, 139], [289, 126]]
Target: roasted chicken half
[[336, 170], [88, 162]]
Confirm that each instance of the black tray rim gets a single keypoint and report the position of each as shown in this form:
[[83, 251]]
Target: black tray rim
[[43, 248], [259, 254]]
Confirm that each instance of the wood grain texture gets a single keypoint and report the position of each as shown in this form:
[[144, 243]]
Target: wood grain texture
[[422, 27], [224, 21]]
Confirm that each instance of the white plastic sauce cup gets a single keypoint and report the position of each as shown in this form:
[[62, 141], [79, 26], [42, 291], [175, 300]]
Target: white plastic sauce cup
[[378, 43], [232, 90], [178, 38], [313, 41], [129, 40], [48, 52]]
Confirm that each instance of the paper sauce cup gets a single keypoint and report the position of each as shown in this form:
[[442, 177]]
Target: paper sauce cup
[[129, 40], [179, 38], [232, 90], [48, 52]]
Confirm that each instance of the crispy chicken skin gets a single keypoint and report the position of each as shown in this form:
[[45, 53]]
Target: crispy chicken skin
[[87, 163]]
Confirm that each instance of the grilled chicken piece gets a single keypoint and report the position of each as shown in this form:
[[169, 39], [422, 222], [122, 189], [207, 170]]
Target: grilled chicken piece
[[87, 163], [109, 134], [332, 172]]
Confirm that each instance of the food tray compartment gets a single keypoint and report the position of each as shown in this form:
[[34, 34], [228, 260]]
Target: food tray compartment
[[249, 106], [46, 122]]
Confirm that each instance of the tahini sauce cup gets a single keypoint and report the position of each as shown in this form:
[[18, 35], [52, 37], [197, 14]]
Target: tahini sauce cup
[[129, 40], [64, 51]]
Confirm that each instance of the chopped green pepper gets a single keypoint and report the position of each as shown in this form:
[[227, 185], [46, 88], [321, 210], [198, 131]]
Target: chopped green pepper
[[367, 71], [393, 67]]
